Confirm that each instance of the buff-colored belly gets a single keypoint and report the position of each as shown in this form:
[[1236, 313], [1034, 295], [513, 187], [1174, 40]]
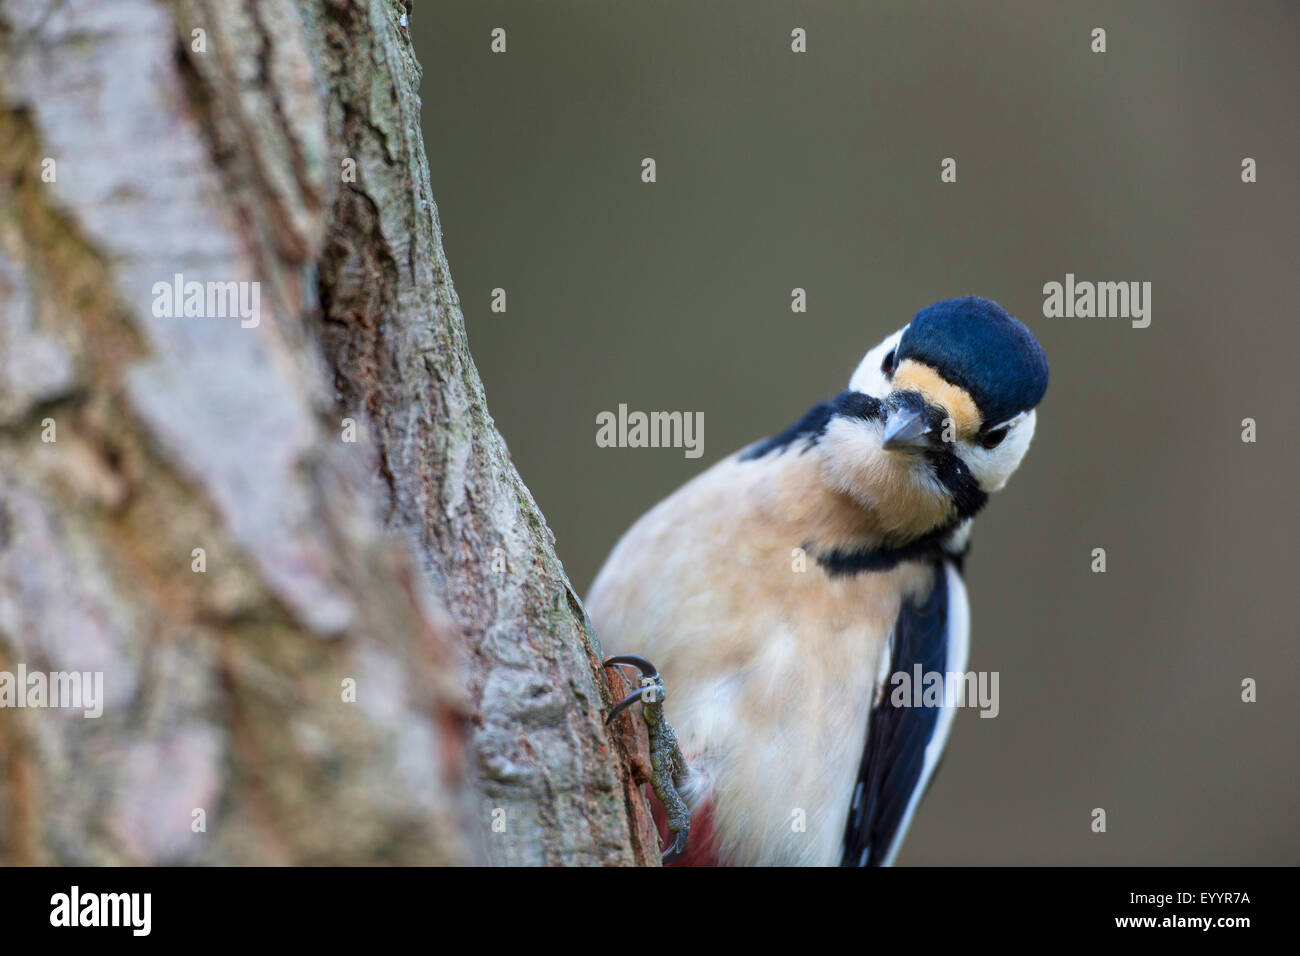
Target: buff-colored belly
[[770, 664]]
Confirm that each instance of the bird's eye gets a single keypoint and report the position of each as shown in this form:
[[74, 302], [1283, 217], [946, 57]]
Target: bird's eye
[[887, 366], [994, 438]]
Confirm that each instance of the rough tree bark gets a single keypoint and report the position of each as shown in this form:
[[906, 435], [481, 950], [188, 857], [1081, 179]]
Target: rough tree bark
[[280, 146]]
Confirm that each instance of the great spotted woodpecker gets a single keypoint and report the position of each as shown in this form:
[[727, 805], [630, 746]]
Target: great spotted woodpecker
[[778, 675]]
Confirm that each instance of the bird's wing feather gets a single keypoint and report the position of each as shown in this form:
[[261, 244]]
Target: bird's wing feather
[[904, 743]]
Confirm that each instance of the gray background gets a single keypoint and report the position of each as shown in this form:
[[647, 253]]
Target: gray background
[[821, 170]]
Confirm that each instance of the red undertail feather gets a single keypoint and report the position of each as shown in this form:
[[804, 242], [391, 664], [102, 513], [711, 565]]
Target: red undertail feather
[[700, 848]]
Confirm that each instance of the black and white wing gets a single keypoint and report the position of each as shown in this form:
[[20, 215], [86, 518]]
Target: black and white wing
[[904, 744]]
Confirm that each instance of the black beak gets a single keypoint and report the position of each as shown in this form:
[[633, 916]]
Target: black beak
[[910, 424]]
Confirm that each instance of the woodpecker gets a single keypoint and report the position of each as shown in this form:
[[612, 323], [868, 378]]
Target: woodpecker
[[777, 592]]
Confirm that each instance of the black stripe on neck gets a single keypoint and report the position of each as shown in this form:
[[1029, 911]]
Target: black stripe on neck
[[840, 562], [967, 495]]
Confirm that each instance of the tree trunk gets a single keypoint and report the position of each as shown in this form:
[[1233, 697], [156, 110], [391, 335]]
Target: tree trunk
[[329, 617]]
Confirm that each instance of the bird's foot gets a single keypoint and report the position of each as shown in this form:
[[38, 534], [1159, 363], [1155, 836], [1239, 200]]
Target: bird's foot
[[669, 771]]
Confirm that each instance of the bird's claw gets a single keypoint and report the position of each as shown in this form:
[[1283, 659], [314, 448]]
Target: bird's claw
[[652, 685], [678, 846], [668, 766]]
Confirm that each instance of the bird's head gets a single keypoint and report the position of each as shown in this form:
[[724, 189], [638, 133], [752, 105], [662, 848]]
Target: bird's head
[[946, 405]]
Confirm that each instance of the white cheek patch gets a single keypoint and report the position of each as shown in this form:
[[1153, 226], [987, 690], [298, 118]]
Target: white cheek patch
[[993, 466], [868, 378]]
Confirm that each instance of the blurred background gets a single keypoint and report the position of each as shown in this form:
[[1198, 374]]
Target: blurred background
[[821, 170]]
